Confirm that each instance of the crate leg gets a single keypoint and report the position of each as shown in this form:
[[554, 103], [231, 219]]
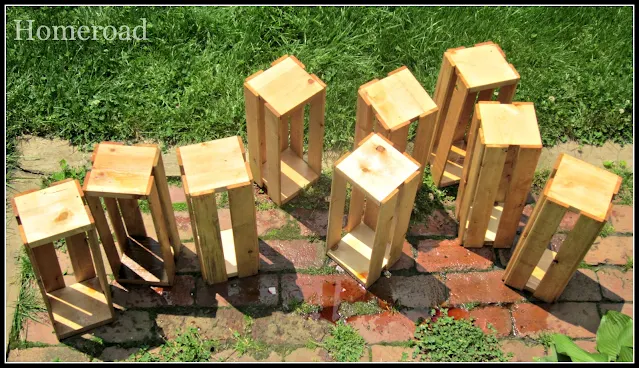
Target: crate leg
[[105, 233], [467, 112], [80, 256], [336, 210], [208, 229], [254, 132], [165, 198], [507, 174], [99, 269], [533, 241], [446, 80], [365, 118], [566, 262], [382, 237], [405, 204], [284, 124], [159, 223], [507, 93], [116, 221], [297, 132], [523, 173], [316, 131], [466, 192], [424, 140], [41, 284], [273, 163], [399, 138], [196, 240], [46, 260], [243, 220], [486, 95], [132, 217], [484, 196], [355, 209], [470, 156]]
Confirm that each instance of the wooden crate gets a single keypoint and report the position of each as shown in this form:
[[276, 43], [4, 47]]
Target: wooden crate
[[207, 169], [497, 176], [55, 213], [574, 186], [273, 98], [384, 176], [466, 75], [121, 175]]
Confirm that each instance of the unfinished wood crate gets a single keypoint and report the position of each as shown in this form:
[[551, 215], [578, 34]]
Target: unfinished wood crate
[[207, 169], [122, 175], [505, 143], [56, 213], [386, 177], [466, 75], [272, 99], [574, 186]]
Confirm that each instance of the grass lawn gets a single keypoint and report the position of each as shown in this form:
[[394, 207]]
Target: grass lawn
[[184, 84]]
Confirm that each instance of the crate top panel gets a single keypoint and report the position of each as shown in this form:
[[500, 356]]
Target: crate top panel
[[376, 167], [509, 124], [483, 66], [121, 170], [52, 213], [582, 186], [214, 165], [285, 85], [398, 99]]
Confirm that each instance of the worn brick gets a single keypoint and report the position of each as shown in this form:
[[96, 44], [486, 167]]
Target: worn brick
[[278, 255], [482, 287], [616, 285], [613, 250], [187, 259], [141, 296], [312, 222], [419, 291], [47, 354], [324, 290], [182, 220], [383, 327], [259, 289], [622, 218], [281, 328], [439, 222], [450, 255], [582, 287], [522, 352], [116, 353], [498, 317], [568, 221], [129, 326], [272, 357], [625, 308], [406, 259], [270, 219], [177, 194], [383, 353], [307, 355], [577, 320], [39, 329], [218, 324]]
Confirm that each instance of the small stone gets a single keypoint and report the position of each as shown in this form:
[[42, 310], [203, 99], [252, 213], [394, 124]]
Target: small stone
[[272, 290]]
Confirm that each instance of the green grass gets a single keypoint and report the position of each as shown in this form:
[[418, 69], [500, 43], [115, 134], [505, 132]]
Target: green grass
[[188, 346], [626, 190], [66, 172], [629, 264], [359, 308], [344, 344], [539, 181], [303, 308], [607, 230], [184, 84]]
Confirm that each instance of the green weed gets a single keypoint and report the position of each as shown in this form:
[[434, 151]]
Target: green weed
[[188, 346], [344, 344], [626, 190], [607, 230], [359, 308], [66, 172], [539, 181], [629, 264]]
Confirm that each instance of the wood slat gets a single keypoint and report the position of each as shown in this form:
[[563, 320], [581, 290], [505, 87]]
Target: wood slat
[[46, 261], [507, 93], [80, 256], [162, 232], [336, 210], [316, 131], [100, 272], [273, 164], [406, 200], [254, 110], [297, 132], [102, 227], [284, 125], [382, 237], [162, 186], [355, 209], [446, 80], [210, 240], [424, 138], [244, 223], [472, 143], [399, 138], [364, 118], [507, 173], [465, 117], [465, 198], [132, 217]]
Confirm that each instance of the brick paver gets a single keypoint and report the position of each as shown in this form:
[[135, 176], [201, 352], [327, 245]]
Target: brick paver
[[582, 287], [616, 285], [327, 291], [114, 353], [498, 317], [577, 320], [312, 222], [438, 223], [141, 296], [622, 218], [278, 255], [39, 329], [177, 194], [383, 327], [307, 355], [282, 328], [482, 287], [625, 308], [450, 255], [612, 250], [47, 354], [270, 219], [218, 324], [522, 352], [129, 326], [419, 291], [187, 259], [383, 353], [260, 289], [406, 260]]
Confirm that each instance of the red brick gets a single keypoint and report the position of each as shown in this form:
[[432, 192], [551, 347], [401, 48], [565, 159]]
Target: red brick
[[270, 219], [483, 287], [142, 296], [622, 218], [217, 325], [577, 320], [625, 308], [525, 215], [437, 223], [522, 352], [280, 328], [307, 355], [449, 255], [498, 317], [39, 329], [569, 221], [611, 250], [556, 241], [324, 290], [384, 327], [615, 284], [278, 255], [419, 291], [582, 287], [187, 259], [383, 353], [406, 259], [312, 222], [176, 194], [239, 292]]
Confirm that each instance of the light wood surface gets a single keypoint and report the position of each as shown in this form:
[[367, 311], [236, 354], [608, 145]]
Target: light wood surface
[[230, 258], [540, 270], [210, 241], [336, 209], [254, 109], [80, 256], [295, 175], [504, 124], [377, 168], [244, 230], [483, 67], [52, 213], [142, 263]]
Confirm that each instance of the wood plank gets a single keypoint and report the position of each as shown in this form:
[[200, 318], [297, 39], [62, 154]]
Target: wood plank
[[355, 209], [446, 80], [316, 131], [468, 195], [273, 164], [244, 224], [424, 138], [484, 196], [486, 95], [102, 227], [295, 175], [162, 233], [364, 118], [38, 277], [228, 246], [472, 142], [484, 67], [507, 173], [406, 201], [162, 186], [196, 238], [100, 272], [132, 217], [567, 260], [465, 117], [118, 226], [284, 124], [522, 176], [399, 138], [45, 259], [208, 226], [142, 263], [336, 210], [80, 256], [297, 132], [507, 93], [530, 247], [254, 109], [382, 237]]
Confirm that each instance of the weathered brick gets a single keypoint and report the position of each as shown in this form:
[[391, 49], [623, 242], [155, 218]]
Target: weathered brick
[[450, 255], [307, 355], [312, 222], [625, 308], [271, 219], [615, 284], [177, 194], [522, 352], [577, 320], [218, 325], [278, 255], [483, 287], [568, 221], [324, 290], [182, 220], [129, 326], [622, 218], [116, 353], [383, 353], [613, 250], [259, 289], [39, 329], [498, 317], [439, 222], [383, 327], [140, 296], [406, 259], [47, 354], [582, 287], [419, 291], [281, 328]]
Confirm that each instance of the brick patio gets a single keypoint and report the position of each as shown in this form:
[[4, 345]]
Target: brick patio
[[434, 271]]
